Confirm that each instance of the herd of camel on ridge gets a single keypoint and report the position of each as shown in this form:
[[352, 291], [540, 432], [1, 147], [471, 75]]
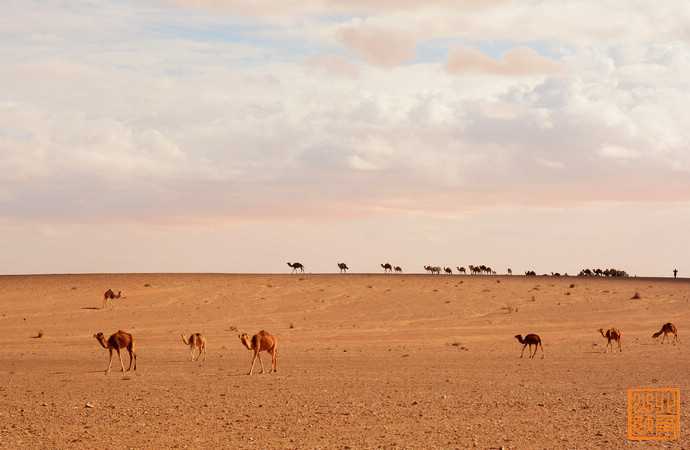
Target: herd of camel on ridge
[[474, 270], [264, 341]]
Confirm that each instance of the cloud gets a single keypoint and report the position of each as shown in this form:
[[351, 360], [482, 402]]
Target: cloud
[[520, 61], [383, 47], [333, 65]]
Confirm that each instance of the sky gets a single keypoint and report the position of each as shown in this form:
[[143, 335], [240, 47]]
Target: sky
[[236, 136]]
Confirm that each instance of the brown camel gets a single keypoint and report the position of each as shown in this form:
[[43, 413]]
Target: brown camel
[[262, 341], [387, 268], [612, 334], [343, 267], [195, 340], [110, 295], [666, 329], [448, 270], [296, 266], [530, 339], [397, 269], [118, 340], [461, 269]]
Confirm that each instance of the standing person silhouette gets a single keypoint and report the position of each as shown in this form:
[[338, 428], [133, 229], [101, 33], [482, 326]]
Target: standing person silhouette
[[675, 273]]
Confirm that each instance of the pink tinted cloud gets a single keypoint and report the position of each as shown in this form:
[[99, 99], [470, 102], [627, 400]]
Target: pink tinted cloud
[[333, 65], [519, 61], [267, 7], [378, 46]]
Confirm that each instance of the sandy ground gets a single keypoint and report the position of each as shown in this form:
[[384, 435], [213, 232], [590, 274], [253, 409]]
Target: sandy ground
[[365, 361]]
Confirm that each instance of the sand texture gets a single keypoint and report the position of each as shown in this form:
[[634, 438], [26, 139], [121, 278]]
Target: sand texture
[[364, 360]]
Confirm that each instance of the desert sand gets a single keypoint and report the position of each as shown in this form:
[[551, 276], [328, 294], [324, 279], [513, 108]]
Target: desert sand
[[364, 360]]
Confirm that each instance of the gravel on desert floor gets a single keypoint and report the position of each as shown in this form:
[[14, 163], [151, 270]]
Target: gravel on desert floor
[[364, 361]]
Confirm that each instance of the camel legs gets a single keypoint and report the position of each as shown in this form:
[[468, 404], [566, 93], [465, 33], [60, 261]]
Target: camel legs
[[110, 360], [256, 355], [542, 350], [523, 350], [274, 360], [132, 357]]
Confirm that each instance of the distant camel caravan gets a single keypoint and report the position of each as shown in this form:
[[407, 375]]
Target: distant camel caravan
[[110, 295], [666, 329], [195, 340], [530, 339], [387, 268], [296, 266], [343, 267], [118, 340], [262, 341], [612, 334], [433, 269]]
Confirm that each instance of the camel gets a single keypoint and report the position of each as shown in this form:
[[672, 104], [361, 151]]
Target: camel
[[387, 268], [296, 266], [510, 271], [461, 269], [530, 339], [397, 269], [262, 341], [195, 340], [110, 295], [343, 267], [612, 334], [118, 340], [448, 270], [666, 329]]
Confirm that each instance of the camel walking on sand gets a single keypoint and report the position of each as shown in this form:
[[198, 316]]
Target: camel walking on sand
[[666, 329], [296, 266], [110, 295], [397, 269], [194, 341], [262, 341], [612, 334], [530, 339], [116, 341], [343, 267], [387, 268]]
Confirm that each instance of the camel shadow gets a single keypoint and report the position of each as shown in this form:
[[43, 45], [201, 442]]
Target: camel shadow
[[91, 307]]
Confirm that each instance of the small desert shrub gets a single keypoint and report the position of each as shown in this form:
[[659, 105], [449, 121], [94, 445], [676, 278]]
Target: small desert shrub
[[40, 333], [572, 285], [292, 325], [233, 328], [636, 296]]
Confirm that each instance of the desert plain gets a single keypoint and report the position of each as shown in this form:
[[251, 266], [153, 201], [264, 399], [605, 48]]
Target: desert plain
[[364, 360]]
